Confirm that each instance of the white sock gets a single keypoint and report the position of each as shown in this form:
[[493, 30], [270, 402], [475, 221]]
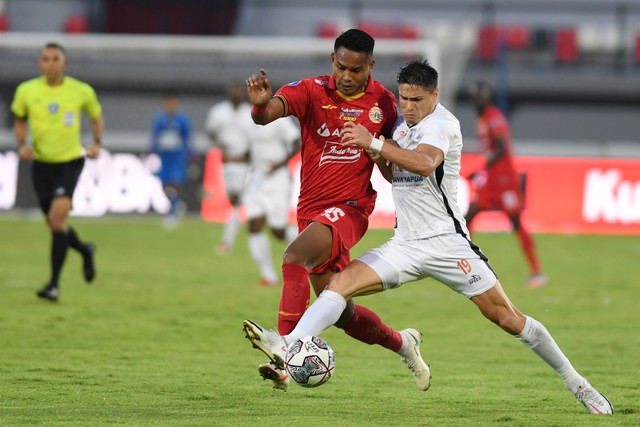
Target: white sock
[[261, 253], [537, 338], [290, 233], [324, 312], [231, 228]]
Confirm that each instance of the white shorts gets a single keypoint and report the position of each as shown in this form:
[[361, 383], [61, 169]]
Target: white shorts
[[235, 177], [269, 196], [450, 259]]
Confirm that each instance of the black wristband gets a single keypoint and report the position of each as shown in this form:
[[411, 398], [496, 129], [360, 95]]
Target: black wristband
[[97, 141]]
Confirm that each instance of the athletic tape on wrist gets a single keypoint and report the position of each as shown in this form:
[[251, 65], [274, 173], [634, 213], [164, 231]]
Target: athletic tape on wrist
[[376, 145]]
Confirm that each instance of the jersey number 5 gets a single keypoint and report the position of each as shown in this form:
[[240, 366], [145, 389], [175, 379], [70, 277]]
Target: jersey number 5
[[333, 214]]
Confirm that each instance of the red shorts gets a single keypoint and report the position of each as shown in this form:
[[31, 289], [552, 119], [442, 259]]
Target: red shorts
[[348, 223], [500, 192]]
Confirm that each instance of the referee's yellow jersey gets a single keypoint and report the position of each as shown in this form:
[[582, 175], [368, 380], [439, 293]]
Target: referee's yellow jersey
[[54, 114]]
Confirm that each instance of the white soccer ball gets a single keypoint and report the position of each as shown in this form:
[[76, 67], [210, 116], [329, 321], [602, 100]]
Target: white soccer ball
[[310, 361]]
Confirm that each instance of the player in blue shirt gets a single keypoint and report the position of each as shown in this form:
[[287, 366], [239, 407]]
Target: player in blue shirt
[[171, 133]]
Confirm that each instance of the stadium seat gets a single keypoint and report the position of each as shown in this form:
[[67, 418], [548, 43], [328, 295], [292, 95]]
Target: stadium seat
[[76, 24], [517, 37], [378, 30], [4, 22], [487, 43], [566, 46], [328, 30]]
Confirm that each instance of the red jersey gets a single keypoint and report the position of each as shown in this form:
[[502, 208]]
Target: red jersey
[[331, 173], [492, 125]]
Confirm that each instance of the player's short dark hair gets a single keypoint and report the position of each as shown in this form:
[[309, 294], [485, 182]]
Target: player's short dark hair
[[355, 40], [419, 73], [54, 45]]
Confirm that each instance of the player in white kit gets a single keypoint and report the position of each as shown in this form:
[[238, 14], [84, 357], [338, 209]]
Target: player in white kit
[[228, 126], [430, 239], [267, 197]]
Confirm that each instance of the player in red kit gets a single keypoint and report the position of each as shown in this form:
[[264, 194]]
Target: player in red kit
[[498, 184], [336, 196]]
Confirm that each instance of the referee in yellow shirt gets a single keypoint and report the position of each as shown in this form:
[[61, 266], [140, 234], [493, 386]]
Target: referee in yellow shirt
[[52, 105]]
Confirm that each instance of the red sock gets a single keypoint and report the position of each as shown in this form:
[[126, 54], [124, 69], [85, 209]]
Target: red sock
[[295, 297], [529, 249], [366, 326]]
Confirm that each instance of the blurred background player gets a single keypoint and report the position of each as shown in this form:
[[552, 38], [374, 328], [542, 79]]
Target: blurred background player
[[52, 104], [498, 184], [171, 139], [268, 194], [228, 126], [336, 196]]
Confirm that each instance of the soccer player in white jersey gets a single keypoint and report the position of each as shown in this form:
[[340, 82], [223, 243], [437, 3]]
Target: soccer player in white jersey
[[228, 126], [430, 239], [268, 194]]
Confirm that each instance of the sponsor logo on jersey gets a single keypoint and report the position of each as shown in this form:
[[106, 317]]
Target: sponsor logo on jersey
[[296, 83], [54, 107], [407, 179], [334, 152], [350, 114], [375, 114], [329, 107], [324, 131]]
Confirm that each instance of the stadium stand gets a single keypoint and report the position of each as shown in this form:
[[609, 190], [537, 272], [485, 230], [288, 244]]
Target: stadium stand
[[566, 49], [76, 24], [4, 22]]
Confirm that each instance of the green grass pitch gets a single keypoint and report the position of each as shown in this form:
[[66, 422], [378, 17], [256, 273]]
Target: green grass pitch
[[157, 339]]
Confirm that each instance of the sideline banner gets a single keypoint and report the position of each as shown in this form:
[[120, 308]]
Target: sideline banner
[[569, 195], [114, 183]]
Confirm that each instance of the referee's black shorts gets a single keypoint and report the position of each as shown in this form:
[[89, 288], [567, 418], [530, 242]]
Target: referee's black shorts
[[53, 180]]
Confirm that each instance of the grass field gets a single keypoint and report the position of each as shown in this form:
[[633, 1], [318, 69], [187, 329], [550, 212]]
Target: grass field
[[157, 340]]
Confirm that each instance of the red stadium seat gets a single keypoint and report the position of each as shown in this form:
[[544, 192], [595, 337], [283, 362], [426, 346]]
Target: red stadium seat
[[517, 37], [4, 22], [487, 43], [328, 30], [566, 46], [377, 30], [76, 24]]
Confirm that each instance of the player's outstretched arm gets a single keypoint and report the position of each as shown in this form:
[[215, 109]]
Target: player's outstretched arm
[[265, 108]]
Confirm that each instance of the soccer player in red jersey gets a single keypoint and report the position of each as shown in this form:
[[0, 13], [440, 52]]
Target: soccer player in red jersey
[[336, 196], [498, 184]]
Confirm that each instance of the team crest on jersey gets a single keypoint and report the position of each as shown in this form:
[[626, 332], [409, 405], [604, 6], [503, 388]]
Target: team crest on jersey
[[350, 114], [294, 83], [321, 82], [54, 108], [412, 135], [375, 114]]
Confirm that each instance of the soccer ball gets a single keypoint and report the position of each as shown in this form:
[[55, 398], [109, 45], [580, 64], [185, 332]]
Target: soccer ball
[[310, 361]]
